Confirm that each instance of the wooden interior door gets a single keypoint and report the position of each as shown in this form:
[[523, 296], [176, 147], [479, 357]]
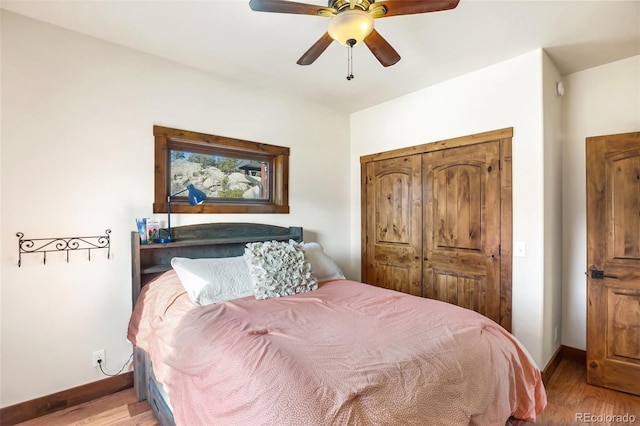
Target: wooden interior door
[[392, 243], [461, 193], [613, 259]]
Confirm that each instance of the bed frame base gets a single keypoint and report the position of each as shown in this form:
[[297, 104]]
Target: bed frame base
[[147, 388]]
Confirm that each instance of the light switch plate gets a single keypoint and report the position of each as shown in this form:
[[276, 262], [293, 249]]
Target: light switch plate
[[519, 249]]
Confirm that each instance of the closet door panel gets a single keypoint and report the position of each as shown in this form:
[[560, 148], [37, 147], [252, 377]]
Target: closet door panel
[[393, 224], [466, 291], [461, 195]]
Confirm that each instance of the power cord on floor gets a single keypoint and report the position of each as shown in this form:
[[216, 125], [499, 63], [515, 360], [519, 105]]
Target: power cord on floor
[[120, 371]]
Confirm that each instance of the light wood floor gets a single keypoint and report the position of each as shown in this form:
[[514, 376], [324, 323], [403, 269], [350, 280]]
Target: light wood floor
[[567, 394], [120, 409]]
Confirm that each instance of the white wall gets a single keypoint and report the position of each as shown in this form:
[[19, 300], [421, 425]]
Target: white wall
[[598, 101], [508, 94], [77, 120], [552, 105]]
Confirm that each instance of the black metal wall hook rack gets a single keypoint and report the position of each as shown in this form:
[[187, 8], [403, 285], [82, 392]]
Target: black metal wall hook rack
[[66, 244]]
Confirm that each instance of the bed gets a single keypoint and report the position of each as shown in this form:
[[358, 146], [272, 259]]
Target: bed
[[338, 352]]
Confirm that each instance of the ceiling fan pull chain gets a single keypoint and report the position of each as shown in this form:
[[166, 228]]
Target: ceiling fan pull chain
[[350, 43]]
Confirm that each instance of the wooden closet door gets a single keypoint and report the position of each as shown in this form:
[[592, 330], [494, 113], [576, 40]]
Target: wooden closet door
[[392, 224], [461, 192]]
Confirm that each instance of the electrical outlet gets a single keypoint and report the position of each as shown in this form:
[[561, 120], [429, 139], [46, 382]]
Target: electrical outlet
[[555, 335], [98, 356]]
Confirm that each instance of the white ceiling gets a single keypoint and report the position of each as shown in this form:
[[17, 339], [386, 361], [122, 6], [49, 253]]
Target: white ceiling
[[261, 49]]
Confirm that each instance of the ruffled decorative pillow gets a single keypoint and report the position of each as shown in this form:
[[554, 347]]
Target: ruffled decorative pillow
[[278, 269]]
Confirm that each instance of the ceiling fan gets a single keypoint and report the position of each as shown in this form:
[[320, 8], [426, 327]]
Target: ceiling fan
[[352, 22]]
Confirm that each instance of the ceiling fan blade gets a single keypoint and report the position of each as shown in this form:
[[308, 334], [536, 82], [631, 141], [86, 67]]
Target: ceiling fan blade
[[316, 50], [381, 49], [410, 7], [282, 6]]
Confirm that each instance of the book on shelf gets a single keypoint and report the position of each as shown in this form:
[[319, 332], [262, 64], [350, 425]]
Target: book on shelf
[[153, 229], [141, 223]]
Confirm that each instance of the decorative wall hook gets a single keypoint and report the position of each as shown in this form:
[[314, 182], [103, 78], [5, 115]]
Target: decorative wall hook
[[66, 244]]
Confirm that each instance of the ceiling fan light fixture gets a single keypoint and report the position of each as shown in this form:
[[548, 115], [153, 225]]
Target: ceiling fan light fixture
[[352, 24]]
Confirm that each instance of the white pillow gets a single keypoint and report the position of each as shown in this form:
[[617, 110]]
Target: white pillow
[[278, 268], [213, 280], [323, 267]]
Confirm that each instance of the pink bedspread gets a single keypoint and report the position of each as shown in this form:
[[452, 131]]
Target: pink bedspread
[[345, 354]]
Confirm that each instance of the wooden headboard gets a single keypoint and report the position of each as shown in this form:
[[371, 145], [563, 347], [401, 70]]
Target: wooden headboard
[[196, 241]]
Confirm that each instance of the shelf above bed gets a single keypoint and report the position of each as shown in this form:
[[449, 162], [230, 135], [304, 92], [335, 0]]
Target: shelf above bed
[[216, 241]]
